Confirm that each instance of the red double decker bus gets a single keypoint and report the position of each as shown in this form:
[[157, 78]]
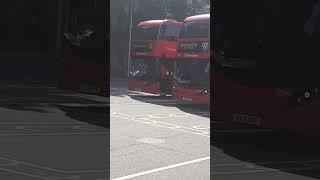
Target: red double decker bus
[[192, 65], [266, 70], [152, 52]]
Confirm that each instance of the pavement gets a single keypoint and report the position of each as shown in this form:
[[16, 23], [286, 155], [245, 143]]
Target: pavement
[[155, 137], [47, 133]]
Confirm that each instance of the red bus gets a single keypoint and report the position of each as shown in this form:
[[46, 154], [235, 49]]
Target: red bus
[[266, 65], [192, 65], [152, 52], [84, 67]]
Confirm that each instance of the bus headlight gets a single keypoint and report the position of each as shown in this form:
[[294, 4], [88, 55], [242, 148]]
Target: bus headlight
[[307, 95], [205, 92], [174, 89]]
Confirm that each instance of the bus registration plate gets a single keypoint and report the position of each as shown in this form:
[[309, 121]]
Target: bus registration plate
[[246, 119]]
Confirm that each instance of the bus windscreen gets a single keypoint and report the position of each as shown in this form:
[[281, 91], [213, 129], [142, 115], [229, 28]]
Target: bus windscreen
[[193, 73], [144, 69], [195, 29], [147, 32], [279, 35]]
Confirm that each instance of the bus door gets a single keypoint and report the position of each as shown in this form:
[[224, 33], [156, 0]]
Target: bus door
[[166, 70]]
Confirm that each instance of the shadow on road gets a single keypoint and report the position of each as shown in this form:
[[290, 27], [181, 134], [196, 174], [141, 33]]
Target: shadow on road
[[287, 153], [31, 97], [119, 89], [97, 116], [27, 82], [199, 110]]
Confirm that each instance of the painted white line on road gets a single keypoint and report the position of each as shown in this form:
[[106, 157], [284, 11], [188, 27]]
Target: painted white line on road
[[144, 103], [162, 168], [161, 124], [201, 127], [17, 162], [52, 134], [28, 129], [24, 174], [163, 116], [41, 123]]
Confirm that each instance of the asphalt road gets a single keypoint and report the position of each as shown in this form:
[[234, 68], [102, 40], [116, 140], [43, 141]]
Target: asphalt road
[[263, 156], [157, 138], [46, 133]]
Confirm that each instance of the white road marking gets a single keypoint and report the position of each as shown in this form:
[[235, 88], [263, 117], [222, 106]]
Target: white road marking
[[150, 141], [144, 103], [161, 124], [17, 162], [28, 129], [201, 127], [40, 123], [162, 168], [24, 174], [180, 115], [52, 134]]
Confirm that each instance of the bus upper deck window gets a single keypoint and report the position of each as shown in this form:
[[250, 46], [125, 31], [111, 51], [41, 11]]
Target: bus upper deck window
[[170, 32]]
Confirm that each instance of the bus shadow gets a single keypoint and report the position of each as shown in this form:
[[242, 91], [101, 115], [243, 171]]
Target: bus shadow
[[36, 97], [286, 153], [97, 116], [199, 110]]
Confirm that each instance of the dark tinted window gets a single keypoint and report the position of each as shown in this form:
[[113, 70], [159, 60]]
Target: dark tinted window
[[172, 30], [193, 73], [148, 32], [144, 68], [195, 29], [282, 39]]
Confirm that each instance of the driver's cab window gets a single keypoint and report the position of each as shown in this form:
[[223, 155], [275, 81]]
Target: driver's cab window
[[170, 32]]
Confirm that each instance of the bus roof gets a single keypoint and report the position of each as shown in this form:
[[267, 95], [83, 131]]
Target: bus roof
[[197, 17], [154, 22]]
